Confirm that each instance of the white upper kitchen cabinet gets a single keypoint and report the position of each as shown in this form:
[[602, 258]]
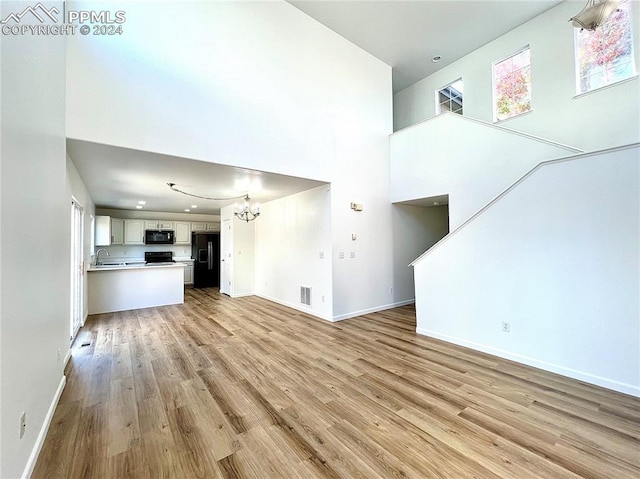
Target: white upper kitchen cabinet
[[182, 232], [117, 231], [205, 226], [134, 231], [103, 230], [158, 225]]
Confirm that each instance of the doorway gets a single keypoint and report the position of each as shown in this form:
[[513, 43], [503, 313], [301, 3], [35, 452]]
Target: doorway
[[77, 267]]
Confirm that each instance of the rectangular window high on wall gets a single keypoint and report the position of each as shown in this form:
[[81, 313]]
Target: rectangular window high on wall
[[512, 85], [449, 98], [605, 55]]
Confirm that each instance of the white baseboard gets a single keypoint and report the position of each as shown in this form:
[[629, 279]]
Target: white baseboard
[[341, 317], [306, 310], [37, 447], [538, 363], [67, 357], [240, 295], [375, 309]]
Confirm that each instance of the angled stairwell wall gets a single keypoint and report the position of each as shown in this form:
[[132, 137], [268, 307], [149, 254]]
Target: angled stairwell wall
[[470, 160], [557, 256]]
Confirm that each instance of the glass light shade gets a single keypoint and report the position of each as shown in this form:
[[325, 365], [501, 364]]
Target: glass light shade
[[594, 14]]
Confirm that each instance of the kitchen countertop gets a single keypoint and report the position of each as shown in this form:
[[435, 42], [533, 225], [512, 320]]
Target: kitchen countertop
[[133, 265]]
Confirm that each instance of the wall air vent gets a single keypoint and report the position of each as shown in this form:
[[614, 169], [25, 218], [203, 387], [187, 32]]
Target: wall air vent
[[305, 295]]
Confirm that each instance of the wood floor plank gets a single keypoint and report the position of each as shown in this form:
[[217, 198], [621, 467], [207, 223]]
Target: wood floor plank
[[245, 388]]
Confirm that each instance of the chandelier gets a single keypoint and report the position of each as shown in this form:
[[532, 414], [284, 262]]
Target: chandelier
[[594, 14], [246, 211]]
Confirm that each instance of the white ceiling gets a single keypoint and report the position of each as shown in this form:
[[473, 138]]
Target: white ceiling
[[403, 34], [120, 177], [408, 34]]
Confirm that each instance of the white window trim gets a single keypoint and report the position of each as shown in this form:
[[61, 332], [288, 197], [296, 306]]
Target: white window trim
[[605, 87], [493, 84], [437, 99], [576, 68]]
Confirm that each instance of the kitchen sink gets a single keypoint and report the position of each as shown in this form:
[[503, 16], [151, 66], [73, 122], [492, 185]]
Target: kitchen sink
[[120, 264]]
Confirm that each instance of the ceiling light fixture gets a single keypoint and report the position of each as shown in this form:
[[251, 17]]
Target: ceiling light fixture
[[594, 14], [138, 207], [436, 59], [194, 206], [187, 210], [246, 212]]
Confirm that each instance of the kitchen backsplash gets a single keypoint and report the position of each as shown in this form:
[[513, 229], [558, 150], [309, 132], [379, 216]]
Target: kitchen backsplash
[[131, 252]]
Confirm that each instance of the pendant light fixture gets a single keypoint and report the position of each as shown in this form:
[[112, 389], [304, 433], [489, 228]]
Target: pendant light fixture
[[594, 14], [245, 212]]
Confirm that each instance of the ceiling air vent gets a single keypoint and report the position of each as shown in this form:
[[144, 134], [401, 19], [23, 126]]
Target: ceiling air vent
[[305, 295]]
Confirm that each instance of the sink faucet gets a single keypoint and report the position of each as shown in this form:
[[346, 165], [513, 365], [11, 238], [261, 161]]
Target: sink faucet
[[98, 255]]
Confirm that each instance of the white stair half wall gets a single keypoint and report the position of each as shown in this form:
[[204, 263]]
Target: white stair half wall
[[469, 160], [557, 257]]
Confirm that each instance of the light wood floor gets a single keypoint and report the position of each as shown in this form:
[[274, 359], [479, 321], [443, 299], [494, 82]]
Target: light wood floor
[[245, 388]]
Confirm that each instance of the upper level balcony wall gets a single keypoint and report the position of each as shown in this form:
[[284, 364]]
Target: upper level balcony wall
[[470, 160]]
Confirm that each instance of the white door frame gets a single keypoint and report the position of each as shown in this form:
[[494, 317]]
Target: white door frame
[[225, 256], [77, 267]]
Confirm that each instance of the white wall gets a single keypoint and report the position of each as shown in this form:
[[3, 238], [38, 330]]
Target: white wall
[[415, 230], [471, 161], [244, 245], [275, 86], [601, 119], [363, 284], [278, 92], [241, 263], [35, 237], [558, 257], [291, 235], [77, 189]]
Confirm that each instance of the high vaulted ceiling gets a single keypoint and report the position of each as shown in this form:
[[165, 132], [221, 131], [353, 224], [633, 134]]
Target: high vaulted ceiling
[[407, 34], [402, 34]]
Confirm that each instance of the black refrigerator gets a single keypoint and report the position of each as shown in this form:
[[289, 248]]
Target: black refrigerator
[[205, 250]]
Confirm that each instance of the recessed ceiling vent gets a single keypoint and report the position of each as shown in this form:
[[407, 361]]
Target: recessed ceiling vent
[[305, 295]]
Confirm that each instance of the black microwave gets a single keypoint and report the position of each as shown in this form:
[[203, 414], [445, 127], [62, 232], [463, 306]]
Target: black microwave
[[158, 237]]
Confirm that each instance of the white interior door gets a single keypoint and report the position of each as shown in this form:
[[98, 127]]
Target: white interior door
[[225, 257], [77, 267]]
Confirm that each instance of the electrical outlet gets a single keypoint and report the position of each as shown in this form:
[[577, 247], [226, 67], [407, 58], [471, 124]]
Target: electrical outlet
[[391, 290], [58, 356], [322, 298], [23, 424], [506, 326]]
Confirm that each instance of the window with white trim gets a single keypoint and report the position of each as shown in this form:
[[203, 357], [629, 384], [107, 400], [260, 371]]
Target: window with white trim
[[605, 56], [512, 85], [449, 98]]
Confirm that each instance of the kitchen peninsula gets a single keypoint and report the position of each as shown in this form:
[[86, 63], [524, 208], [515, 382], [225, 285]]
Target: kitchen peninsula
[[133, 286]]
